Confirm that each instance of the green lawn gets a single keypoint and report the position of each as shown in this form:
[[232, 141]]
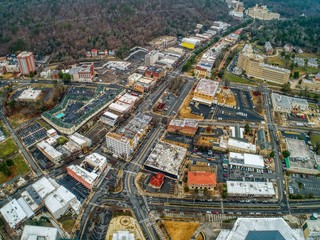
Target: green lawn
[[277, 61], [304, 70], [315, 139], [20, 167], [7, 147], [308, 55], [235, 78], [313, 106], [44, 124]]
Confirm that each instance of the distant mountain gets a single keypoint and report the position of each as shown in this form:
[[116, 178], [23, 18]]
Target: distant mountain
[[289, 8], [69, 27]]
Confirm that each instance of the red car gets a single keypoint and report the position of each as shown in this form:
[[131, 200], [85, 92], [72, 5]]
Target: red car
[[215, 212]]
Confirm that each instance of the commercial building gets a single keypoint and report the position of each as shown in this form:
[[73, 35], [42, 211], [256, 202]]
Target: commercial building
[[40, 233], [123, 141], [50, 152], [151, 58], [311, 229], [124, 103], [285, 104], [166, 158], [187, 127], [301, 159], [154, 72], [83, 73], [144, 84], [262, 229], [35, 194], [95, 161], [29, 95], [246, 160], [262, 13], [83, 176], [16, 212], [241, 146], [205, 91], [253, 65], [81, 141], [310, 84], [190, 43], [109, 118], [26, 63], [202, 180], [60, 201], [250, 189], [204, 67], [219, 26], [299, 61], [157, 181], [133, 78]]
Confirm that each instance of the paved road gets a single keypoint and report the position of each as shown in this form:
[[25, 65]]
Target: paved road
[[21, 147]]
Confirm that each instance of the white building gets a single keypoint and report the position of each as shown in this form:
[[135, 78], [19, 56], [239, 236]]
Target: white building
[[80, 140], [166, 158], [246, 160], [205, 91], [123, 235], [40, 233], [60, 201], [133, 78], [29, 94], [120, 107], [109, 118], [241, 146], [50, 152], [15, 212], [151, 58], [261, 228], [36, 193], [285, 104], [97, 161], [250, 189], [118, 144]]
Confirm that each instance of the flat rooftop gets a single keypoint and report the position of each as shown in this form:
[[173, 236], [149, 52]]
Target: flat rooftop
[[29, 94], [128, 98], [38, 233], [48, 149], [250, 188], [110, 115], [96, 160], [89, 177], [232, 142], [184, 123], [262, 229], [298, 149], [207, 87], [166, 158], [245, 159], [120, 107]]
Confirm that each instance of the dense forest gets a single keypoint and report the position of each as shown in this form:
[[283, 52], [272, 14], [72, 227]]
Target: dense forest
[[289, 8], [302, 31], [69, 27]]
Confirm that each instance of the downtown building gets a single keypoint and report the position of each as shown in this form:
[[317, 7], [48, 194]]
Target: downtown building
[[254, 66], [26, 63]]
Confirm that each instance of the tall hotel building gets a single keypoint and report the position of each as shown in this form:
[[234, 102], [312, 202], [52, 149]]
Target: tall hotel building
[[26, 63]]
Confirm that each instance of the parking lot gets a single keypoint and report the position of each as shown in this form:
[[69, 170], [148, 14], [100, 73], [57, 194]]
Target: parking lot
[[80, 191], [304, 185], [41, 159], [32, 134], [179, 138], [244, 110], [239, 173]]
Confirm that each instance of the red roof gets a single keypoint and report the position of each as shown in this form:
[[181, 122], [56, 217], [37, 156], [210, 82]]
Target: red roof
[[157, 180], [202, 178]]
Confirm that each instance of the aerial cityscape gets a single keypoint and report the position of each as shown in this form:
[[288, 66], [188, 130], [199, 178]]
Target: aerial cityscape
[[170, 120]]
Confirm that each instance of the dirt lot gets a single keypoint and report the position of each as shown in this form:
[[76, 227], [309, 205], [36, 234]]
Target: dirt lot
[[180, 230], [258, 102], [185, 111], [226, 97]]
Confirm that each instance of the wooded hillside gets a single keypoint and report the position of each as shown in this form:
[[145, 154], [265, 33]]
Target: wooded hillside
[[69, 27]]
